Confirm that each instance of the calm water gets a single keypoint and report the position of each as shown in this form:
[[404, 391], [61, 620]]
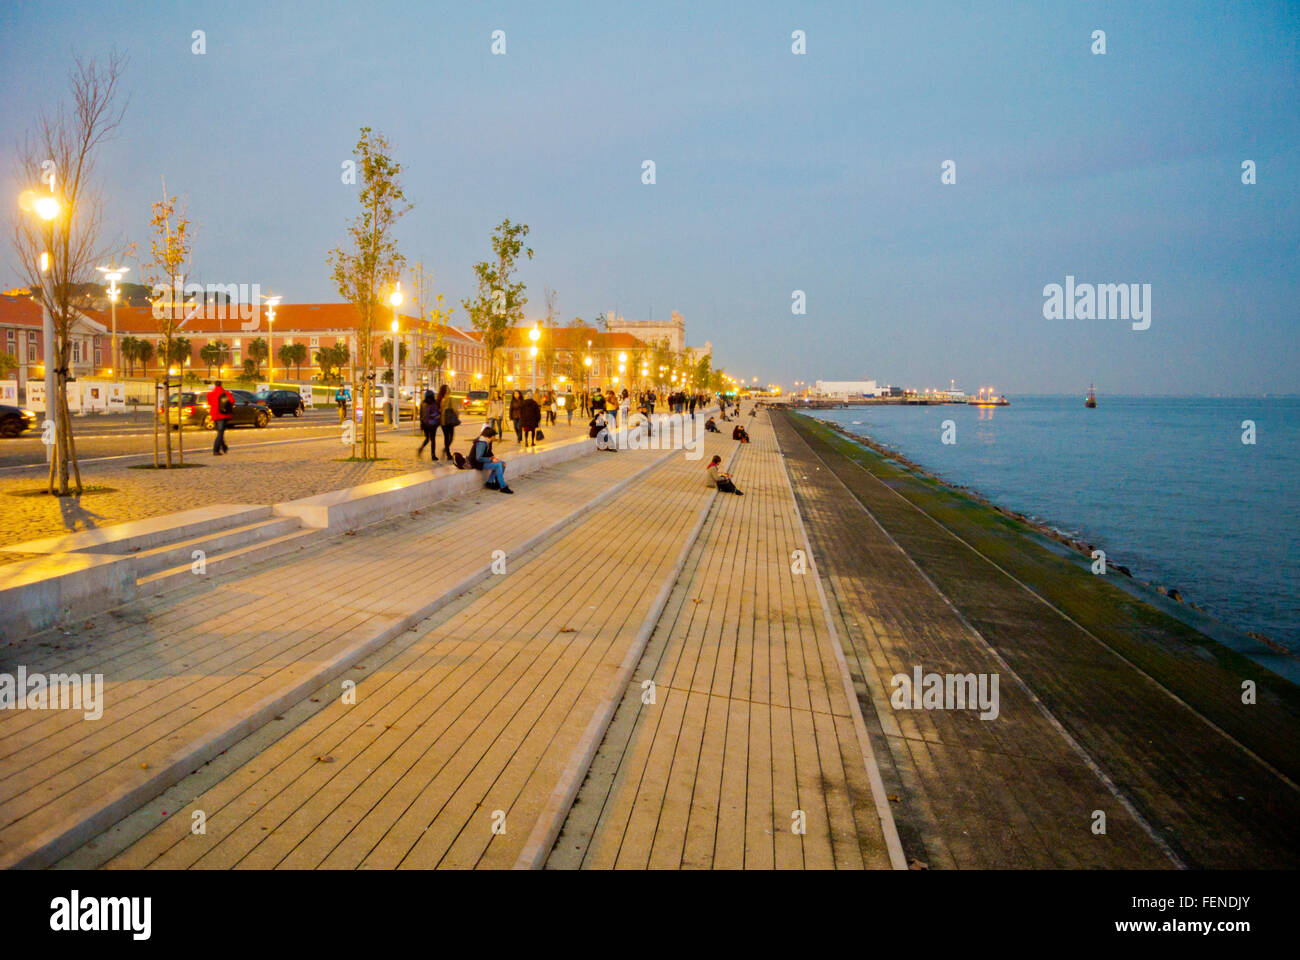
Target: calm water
[[1164, 486]]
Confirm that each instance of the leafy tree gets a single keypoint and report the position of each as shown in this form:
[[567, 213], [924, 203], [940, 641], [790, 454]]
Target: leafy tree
[[258, 351], [8, 364], [371, 261], [292, 355], [179, 351], [214, 354], [700, 381], [386, 353], [499, 301], [331, 359], [172, 246], [433, 360]]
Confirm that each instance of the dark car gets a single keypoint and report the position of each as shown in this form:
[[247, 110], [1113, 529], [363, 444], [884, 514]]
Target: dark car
[[193, 408], [14, 421], [281, 402]]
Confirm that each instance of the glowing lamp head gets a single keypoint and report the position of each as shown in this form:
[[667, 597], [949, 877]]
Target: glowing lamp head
[[586, 361], [534, 335], [394, 324], [46, 207], [396, 298]]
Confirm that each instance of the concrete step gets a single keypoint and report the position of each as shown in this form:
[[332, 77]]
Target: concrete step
[[155, 559], [228, 560], [121, 539]]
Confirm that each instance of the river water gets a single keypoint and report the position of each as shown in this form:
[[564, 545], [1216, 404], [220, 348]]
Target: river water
[[1164, 485]]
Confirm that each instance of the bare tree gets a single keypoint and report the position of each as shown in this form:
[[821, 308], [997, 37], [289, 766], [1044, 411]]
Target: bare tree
[[58, 159]]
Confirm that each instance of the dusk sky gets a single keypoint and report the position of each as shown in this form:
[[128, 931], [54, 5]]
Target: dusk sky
[[775, 172]]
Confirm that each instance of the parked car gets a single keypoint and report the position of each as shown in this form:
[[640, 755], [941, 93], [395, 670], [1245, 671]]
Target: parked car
[[282, 401], [382, 400], [475, 403], [193, 409], [15, 421]]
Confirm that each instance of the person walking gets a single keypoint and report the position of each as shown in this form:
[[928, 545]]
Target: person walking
[[516, 414], [694, 397], [530, 418], [611, 407], [430, 415], [496, 409], [552, 409], [624, 408], [448, 419], [341, 400], [568, 404], [221, 404]]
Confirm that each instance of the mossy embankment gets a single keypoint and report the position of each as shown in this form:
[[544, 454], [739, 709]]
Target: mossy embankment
[[1202, 672]]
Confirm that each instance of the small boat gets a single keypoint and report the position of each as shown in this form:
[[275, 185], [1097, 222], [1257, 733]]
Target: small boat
[[1091, 401], [988, 397]]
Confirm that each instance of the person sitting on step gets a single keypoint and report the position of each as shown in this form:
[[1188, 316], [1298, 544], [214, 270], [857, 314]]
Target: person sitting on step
[[714, 477], [481, 458]]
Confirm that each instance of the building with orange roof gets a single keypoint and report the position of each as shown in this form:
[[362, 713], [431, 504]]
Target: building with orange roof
[[317, 325]]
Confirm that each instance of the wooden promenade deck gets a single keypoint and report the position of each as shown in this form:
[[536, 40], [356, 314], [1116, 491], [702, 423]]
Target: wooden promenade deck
[[192, 665], [751, 725], [463, 728]]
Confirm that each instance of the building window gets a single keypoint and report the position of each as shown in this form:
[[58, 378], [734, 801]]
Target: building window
[[315, 341]]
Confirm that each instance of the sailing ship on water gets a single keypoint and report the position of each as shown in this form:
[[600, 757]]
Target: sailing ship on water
[[1091, 400]]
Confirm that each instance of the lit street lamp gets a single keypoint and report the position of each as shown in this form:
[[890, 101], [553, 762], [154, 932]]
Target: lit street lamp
[[534, 335], [271, 303], [47, 208], [113, 274], [392, 409]]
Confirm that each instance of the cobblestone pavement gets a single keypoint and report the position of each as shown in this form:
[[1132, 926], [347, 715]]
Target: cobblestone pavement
[[113, 436], [256, 471]]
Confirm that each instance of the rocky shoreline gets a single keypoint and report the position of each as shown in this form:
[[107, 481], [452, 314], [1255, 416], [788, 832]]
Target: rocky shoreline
[[1046, 530]]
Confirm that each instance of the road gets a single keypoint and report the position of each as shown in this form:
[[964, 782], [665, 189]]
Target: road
[[132, 434]]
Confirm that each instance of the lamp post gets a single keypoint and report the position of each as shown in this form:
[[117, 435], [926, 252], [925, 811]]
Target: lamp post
[[113, 274], [534, 335], [271, 303], [395, 298], [46, 208], [586, 362]]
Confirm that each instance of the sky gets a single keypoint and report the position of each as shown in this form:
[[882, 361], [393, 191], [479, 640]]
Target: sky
[[775, 172]]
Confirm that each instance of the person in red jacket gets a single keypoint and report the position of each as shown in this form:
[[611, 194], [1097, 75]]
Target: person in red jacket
[[220, 418]]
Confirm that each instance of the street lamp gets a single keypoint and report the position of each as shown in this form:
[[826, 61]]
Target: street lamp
[[271, 303], [47, 208], [395, 298], [532, 352], [113, 274], [586, 362]]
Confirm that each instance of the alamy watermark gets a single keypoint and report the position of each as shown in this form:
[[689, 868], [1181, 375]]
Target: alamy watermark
[[659, 431], [1101, 301], [946, 691], [210, 301], [56, 691]]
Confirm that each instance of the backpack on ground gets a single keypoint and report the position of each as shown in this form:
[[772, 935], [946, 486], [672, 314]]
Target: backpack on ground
[[460, 461], [538, 435]]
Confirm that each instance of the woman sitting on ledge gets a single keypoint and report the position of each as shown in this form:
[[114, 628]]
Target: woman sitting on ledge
[[740, 434], [716, 478]]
